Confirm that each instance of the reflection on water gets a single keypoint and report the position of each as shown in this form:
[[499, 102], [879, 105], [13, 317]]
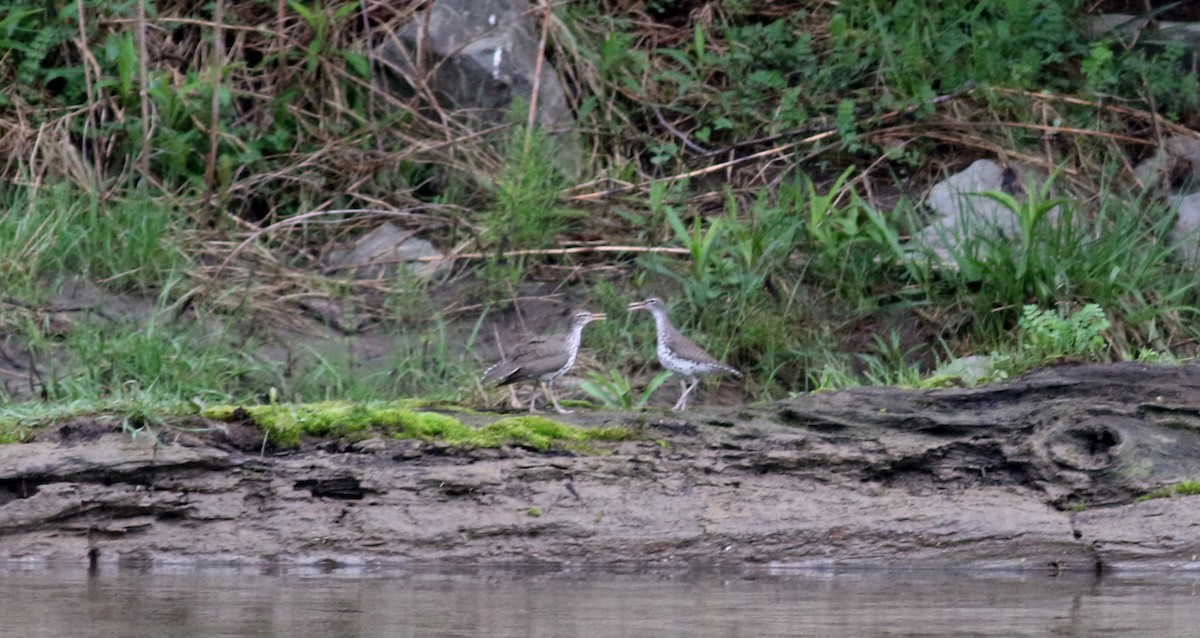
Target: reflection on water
[[178, 602]]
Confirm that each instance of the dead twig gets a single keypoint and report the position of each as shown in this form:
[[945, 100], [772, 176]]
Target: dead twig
[[575, 250], [218, 63], [687, 142], [143, 88]]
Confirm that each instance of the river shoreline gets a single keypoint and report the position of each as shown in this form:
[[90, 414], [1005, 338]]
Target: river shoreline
[[980, 478]]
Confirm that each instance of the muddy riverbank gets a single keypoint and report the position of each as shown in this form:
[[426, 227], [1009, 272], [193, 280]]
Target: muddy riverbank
[[1041, 473]]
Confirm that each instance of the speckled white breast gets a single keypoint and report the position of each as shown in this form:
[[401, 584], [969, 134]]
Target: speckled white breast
[[681, 366]]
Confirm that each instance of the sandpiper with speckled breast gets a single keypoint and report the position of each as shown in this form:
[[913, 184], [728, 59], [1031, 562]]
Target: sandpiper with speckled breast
[[679, 354]]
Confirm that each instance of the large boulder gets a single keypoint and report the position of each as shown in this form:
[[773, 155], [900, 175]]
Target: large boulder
[[479, 57]]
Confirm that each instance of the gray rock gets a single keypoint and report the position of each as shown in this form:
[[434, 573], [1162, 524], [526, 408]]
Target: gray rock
[[1176, 161], [1185, 235], [480, 56], [966, 211], [1138, 30], [380, 252]]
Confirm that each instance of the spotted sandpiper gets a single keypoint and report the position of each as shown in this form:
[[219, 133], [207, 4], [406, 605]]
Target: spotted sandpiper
[[679, 354], [543, 358]]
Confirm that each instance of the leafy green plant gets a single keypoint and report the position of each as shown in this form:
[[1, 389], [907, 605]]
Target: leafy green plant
[[848, 242], [615, 390], [1122, 260], [890, 363], [322, 20], [1046, 334], [526, 213], [699, 241], [1027, 272]]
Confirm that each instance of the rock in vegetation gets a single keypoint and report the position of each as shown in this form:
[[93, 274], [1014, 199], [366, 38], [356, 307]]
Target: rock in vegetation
[[1045, 472], [1144, 31], [1175, 162], [481, 56], [1174, 170], [382, 251], [1186, 233], [966, 211]]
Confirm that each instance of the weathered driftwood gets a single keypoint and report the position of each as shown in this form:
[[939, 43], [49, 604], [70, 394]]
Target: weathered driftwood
[[1039, 472]]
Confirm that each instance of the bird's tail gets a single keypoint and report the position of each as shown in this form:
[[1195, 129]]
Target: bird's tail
[[498, 372]]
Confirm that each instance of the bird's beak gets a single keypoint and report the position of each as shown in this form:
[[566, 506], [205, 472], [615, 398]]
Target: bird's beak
[[637, 305], [599, 316]]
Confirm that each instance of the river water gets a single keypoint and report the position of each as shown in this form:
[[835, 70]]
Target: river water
[[185, 602]]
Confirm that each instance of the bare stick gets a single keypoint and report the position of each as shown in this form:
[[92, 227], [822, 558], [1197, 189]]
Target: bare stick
[[210, 171], [680, 134], [89, 123], [547, 13], [280, 17], [143, 91], [1168, 125]]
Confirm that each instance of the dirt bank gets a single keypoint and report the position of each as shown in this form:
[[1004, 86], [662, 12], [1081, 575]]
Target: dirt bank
[[1041, 473]]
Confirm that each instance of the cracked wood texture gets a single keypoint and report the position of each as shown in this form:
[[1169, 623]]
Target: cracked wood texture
[[1040, 472]]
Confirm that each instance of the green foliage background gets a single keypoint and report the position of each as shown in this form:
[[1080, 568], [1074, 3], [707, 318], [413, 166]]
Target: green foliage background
[[205, 155]]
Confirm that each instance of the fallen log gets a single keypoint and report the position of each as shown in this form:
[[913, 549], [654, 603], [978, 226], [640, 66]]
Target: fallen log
[[1044, 472]]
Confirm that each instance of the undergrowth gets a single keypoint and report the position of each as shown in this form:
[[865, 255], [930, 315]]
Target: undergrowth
[[760, 165]]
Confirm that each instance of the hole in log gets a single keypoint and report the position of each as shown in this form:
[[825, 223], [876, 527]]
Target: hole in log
[[13, 489], [792, 417], [1084, 447], [347, 488], [947, 430]]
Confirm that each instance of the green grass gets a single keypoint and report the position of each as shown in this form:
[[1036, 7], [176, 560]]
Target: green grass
[[286, 423], [131, 410], [426, 358], [160, 358], [792, 273], [1185, 488], [526, 212], [132, 242], [137, 373]]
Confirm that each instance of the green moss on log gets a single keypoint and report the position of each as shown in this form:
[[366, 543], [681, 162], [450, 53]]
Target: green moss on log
[[286, 423], [1186, 488]]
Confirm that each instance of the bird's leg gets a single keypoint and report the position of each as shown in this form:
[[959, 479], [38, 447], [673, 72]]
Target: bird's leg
[[513, 401], [553, 399], [533, 398], [681, 404], [682, 390]]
